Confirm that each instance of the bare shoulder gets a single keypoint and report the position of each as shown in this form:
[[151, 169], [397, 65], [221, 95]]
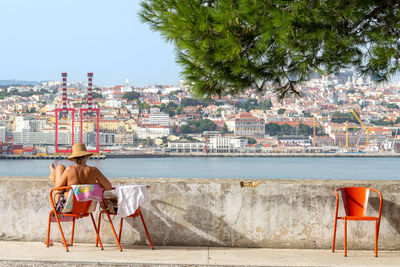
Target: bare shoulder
[[94, 170]]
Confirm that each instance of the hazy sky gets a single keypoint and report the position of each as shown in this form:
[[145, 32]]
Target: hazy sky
[[40, 39]]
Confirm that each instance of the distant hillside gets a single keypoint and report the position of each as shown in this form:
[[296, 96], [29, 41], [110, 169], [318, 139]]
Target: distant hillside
[[17, 82]]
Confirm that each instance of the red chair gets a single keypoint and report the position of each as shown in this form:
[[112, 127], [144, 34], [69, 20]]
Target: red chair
[[355, 202], [80, 209], [108, 213]]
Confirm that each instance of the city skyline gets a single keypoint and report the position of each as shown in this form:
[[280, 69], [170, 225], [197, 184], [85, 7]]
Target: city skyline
[[43, 39]]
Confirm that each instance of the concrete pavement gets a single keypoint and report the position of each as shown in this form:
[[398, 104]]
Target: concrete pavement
[[36, 254]]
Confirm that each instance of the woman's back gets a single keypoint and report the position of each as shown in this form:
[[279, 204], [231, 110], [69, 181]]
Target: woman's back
[[81, 175]]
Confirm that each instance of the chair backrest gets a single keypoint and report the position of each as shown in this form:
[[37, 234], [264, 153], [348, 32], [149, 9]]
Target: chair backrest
[[79, 207], [355, 200], [72, 205]]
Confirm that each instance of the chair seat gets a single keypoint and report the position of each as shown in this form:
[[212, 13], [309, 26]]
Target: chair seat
[[132, 215], [74, 215], [359, 218]]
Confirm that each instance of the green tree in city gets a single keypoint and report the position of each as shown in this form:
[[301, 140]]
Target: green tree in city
[[251, 141], [281, 111], [129, 96], [339, 117], [226, 46], [225, 128], [198, 126], [164, 139], [305, 130], [97, 95], [392, 106], [272, 129], [170, 108]]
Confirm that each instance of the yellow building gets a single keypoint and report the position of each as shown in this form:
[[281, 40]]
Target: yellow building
[[130, 126], [111, 125]]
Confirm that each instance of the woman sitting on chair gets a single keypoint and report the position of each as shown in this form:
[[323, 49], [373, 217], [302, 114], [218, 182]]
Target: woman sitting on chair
[[73, 175]]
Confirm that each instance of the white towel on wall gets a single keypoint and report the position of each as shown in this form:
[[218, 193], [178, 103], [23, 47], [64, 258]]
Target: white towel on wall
[[130, 197]]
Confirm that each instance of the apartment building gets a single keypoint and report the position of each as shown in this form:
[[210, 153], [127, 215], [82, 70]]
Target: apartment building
[[247, 125]]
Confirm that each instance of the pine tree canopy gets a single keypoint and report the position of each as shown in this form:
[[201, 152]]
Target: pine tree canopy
[[226, 46]]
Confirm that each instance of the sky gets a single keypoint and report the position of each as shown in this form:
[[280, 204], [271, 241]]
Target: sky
[[40, 39]]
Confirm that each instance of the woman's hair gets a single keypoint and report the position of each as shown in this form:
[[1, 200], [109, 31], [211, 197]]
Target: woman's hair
[[78, 160]]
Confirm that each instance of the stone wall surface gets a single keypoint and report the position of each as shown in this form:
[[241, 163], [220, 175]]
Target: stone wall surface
[[214, 212]]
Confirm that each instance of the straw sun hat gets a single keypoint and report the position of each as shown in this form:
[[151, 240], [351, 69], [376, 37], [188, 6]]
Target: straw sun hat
[[79, 150]]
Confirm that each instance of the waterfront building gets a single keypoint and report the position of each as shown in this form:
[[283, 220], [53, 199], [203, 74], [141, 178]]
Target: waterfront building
[[124, 139], [324, 141], [221, 144], [186, 147], [295, 140], [152, 131], [353, 139], [41, 138], [247, 125]]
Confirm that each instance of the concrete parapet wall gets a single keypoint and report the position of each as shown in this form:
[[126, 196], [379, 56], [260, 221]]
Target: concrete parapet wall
[[214, 212]]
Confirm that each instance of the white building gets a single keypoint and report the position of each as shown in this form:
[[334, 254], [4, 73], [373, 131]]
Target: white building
[[227, 142], [159, 118], [2, 133], [186, 147], [151, 131], [113, 103], [21, 123]]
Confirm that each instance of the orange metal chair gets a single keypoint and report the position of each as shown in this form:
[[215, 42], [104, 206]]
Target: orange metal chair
[[137, 213], [355, 202], [80, 209]]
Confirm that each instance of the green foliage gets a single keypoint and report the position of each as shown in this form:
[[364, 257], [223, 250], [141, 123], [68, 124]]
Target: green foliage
[[97, 95], [170, 108], [23, 94], [252, 103], [225, 128], [281, 111], [226, 46], [129, 96], [164, 139], [392, 106], [251, 141], [383, 122], [186, 102], [339, 117], [198, 126]]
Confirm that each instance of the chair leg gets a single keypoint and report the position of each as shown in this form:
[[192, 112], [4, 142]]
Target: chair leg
[[61, 232], [145, 228], [345, 237], [48, 230], [72, 232], [98, 226], [120, 229], [113, 229], [97, 232], [376, 237], [334, 236]]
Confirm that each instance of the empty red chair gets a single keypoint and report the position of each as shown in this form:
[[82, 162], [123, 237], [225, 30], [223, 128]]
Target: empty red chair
[[355, 203], [137, 213], [80, 209]]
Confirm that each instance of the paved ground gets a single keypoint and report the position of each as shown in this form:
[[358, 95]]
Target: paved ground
[[36, 254]]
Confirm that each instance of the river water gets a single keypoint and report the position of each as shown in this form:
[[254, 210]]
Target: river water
[[240, 167]]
